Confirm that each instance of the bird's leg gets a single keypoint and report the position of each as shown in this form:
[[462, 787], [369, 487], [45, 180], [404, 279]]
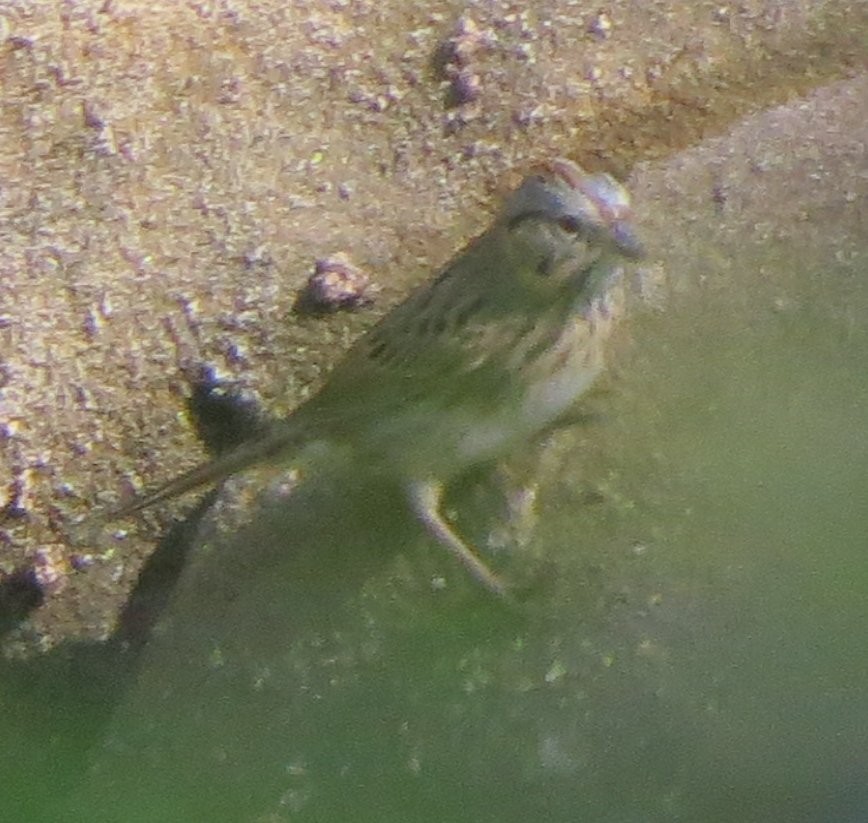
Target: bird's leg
[[425, 498]]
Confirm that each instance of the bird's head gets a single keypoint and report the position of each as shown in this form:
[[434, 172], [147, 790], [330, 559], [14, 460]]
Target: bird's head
[[566, 221]]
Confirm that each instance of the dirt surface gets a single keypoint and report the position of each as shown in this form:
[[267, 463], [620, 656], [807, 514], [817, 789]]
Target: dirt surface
[[169, 176]]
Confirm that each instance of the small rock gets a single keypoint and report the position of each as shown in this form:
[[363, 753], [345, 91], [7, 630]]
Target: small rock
[[601, 26], [457, 55], [467, 40], [80, 561], [466, 87], [336, 284], [48, 569]]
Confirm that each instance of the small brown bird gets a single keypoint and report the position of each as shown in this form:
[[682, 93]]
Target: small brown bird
[[491, 352]]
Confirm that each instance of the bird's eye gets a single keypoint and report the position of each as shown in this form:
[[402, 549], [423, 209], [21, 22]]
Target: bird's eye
[[570, 224]]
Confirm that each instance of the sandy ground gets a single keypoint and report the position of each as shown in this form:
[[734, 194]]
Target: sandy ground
[[169, 175]]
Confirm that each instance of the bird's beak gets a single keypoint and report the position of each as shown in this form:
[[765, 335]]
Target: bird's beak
[[626, 241]]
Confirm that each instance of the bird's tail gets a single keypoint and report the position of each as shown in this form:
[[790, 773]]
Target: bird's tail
[[268, 445]]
